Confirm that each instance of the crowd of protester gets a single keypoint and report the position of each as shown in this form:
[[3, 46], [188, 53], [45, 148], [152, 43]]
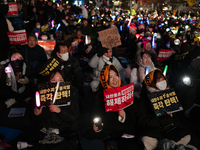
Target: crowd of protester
[[142, 34]]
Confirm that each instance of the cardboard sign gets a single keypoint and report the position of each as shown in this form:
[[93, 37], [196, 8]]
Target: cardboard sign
[[164, 54], [110, 37], [17, 37], [118, 98], [13, 10], [47, 92], [165, 102], [52, 64], [47, 45]]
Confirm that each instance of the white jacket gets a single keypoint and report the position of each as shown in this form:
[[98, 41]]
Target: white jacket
[[97, 63]]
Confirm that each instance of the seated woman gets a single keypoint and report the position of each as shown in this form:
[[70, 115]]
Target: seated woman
[[115, 124], [102, 58], [138, 72], [155, 129], [147, 48], [58, 119], [16, 81]]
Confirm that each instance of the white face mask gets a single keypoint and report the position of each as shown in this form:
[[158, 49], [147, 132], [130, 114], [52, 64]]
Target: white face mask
[[89, 41], [168, 45], [158, 37], [65, 56], [161, 85], [38, 26]]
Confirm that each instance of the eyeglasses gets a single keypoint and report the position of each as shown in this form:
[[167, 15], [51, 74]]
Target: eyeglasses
[[148, 57]]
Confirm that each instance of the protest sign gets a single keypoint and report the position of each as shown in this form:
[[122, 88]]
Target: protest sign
[[48, 45], [17, 112], [141, 27], [118, 98], [13, 10], [52, 64], [181, 56], [165, 102], [110, 37], [17, 37], [47, 92], [164, 54]]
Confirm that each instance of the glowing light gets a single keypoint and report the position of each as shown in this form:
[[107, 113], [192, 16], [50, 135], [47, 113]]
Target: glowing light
[[37, 98]]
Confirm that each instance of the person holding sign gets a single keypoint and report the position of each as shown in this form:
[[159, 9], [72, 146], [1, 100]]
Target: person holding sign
[[102, 58], [138, 72], [113, 124], [57, 121], [154, 129]]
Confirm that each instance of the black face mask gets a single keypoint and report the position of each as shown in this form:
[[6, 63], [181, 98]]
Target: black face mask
[[17, 65]]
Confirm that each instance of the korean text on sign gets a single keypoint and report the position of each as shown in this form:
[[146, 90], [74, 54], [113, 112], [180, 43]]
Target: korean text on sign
[[118, 98]]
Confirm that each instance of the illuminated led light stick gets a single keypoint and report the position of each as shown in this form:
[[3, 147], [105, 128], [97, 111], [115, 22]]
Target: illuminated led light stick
[[153, 41], [37, 34], [54, 98], [58, 27], [144, 41], [52, 23], [147, 70], [8, 71], [137, 35], [37, 99], [165, 70], [86, 39]]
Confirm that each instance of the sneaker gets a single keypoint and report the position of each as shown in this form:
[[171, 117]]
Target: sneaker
[[10, 102]]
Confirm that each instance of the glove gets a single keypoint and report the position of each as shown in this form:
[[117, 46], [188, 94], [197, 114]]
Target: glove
[[102, 51], [23, 81]]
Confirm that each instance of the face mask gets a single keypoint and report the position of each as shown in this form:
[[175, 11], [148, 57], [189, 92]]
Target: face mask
[[168, 45], [17, 65], [89, 41], [38, 26], [158, 37], [161, 85], [65, 56]]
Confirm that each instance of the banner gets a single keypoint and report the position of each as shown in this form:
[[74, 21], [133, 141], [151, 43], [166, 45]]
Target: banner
[[13, 10], [47, 92], [118, 98], [181, 56], [51, 64], [47, 45], [165, 102], [110, 37], [17, 37], [164, 54]]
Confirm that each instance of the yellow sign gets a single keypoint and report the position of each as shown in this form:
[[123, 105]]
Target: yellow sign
[[132, 12], [191, 2]]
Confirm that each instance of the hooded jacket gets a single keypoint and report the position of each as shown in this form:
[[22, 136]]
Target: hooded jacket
[[156, 127]]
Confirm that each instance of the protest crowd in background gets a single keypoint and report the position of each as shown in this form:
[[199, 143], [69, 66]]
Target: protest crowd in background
[[141, 69]]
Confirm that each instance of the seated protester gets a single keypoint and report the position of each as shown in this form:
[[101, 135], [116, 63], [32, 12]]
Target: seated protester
[[17, 85], [86, 29], [86, 48], [70, 67], [102, 58], [56, 121], [33, 54], [151, 52], [73, 48], [154, 129], [37, 30], [138, 73], [114, 124]]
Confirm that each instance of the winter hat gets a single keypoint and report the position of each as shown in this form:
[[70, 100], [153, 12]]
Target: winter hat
[[104, 76]]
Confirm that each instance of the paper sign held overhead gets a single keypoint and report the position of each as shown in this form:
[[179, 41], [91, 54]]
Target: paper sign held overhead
[[13, 10], [110, 37]]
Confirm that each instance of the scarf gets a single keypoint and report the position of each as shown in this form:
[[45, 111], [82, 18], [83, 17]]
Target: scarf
[[104, 77]]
